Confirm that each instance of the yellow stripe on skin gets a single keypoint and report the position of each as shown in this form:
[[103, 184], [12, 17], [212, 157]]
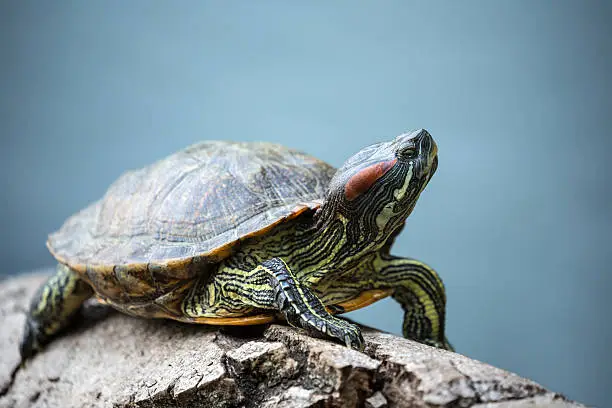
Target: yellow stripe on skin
[[388, 210], [406, 279], [300, 290], [53, 307]]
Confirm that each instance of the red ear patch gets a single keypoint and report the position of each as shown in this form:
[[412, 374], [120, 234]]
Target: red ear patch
[[363, 180]]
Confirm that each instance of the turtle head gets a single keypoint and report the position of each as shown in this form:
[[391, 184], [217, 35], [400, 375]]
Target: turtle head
[[376, 189]]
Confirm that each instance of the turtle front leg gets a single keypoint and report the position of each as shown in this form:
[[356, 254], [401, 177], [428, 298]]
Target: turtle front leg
[[52, 309], [272, 285], [420, 292]]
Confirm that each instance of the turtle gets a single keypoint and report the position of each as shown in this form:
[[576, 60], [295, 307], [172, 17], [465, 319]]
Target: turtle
[[245, 233]]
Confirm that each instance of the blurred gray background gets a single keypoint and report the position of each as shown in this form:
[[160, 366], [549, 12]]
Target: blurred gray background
[[517, 94]]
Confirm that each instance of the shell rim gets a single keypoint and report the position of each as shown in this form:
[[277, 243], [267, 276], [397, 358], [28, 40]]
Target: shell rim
[[216, 254]]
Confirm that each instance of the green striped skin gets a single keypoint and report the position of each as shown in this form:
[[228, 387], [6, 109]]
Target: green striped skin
[[278, 287], [303, 267], [340, 253], [52, 308]]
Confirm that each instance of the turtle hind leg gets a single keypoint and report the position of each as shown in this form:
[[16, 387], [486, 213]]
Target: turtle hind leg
[[52, 309]]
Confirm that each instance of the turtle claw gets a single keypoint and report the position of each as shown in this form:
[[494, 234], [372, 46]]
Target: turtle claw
[[354, 342], [31, 341], [444, 345], [348, 333]]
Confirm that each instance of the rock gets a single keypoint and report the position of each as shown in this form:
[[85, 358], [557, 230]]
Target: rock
[[110, 359], [377, 400], [268, 363]]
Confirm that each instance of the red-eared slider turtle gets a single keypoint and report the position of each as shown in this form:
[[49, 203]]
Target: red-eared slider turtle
[[244, 233]]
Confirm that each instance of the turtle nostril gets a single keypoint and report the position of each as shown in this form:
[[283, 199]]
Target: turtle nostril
[[422, 136], [425, 142]]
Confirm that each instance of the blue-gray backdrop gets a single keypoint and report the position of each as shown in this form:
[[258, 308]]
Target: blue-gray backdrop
[[517, 94]]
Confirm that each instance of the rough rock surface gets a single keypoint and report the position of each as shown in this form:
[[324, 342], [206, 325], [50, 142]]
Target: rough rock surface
[[110, 359]]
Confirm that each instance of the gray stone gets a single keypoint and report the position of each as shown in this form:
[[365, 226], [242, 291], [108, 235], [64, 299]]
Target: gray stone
[[266, 362], [377, 400], [110, 359]]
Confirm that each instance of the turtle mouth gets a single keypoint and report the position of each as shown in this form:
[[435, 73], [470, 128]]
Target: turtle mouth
[[434, 166], [430, 170]]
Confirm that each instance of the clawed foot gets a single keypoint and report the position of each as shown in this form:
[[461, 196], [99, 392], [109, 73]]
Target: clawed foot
[[346, 332], [339, 329], [32, 340], [439, 344]]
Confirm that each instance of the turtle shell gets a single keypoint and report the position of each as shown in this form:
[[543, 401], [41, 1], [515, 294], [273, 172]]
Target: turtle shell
[[197, 203], [142, 244]]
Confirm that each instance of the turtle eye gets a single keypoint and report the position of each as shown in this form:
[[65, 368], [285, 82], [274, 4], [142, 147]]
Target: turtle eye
[[407, 152], [363, 180]]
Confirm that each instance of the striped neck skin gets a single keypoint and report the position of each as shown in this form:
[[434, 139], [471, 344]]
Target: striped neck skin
[[371, 196]]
